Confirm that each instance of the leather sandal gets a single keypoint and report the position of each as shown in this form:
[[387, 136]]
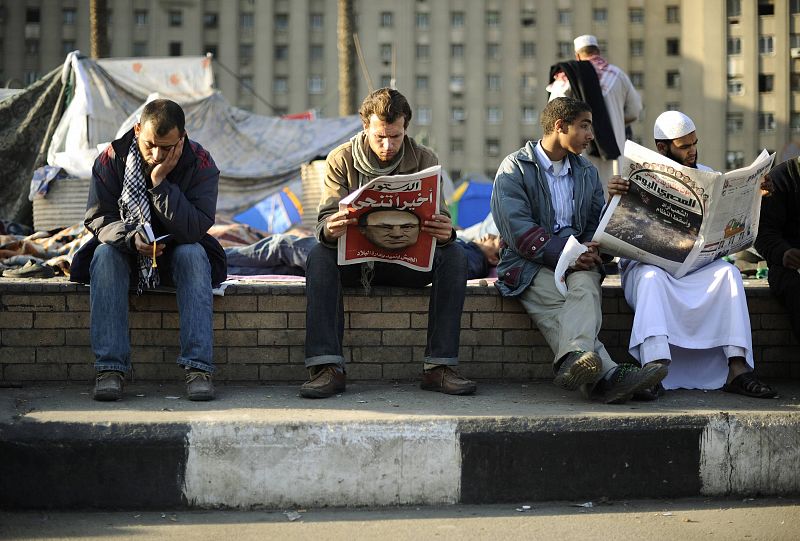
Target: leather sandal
[[748, 385]]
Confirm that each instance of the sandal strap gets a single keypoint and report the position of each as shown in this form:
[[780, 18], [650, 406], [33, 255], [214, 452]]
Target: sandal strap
[[751, 384]]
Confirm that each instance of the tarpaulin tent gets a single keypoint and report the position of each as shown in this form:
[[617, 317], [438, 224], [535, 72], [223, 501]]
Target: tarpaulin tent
[[276, 213], [470, 201]]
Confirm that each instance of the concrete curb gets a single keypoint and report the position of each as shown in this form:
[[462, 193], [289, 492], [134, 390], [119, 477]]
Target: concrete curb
[[243, 463]]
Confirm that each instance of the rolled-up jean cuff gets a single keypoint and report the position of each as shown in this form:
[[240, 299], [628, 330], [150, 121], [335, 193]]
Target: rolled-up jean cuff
[[106, 367], [446, 361], [325, 359], [206, 367]]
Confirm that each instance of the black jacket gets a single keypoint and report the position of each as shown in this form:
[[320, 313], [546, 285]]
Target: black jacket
[[184, 205], [779, 225]]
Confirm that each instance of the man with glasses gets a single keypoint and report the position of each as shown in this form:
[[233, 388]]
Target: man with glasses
[[151, 183]]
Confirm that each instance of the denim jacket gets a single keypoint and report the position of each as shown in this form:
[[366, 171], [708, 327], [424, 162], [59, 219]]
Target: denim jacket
[[523, 211]]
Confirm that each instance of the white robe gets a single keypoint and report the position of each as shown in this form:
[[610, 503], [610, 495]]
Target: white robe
[[699, 313]]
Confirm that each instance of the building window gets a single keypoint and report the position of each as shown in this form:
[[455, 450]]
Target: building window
[[32, 46], [637, 47], [528, 49], [492, 19], [794, 82], [794, 6], [766, 122], [210, 49], [69, 16], [280, 85], [673, 79], [494, 115], [316, 21], [794, 40], [564, 17], [673, 47], [140, 17], [673, 14], [31, 77], [600, 15], [175, 18], [210, 20], [734, 122], [735, 87], [386, 53], [672, 106], [457, 84], [565, 49], [527, 82], [67, 47], [423, 116], [456, 50], [456, 145], [636, 15], [529, 115], [766, 82], [493, 82], [457, 114], [139, 48], [387, 19], [246, 21], [316, 53], [528, 18], [281, 52], [316, 84], [734, 159], [32, 15], [386, 81], [637, 79], [175, 48], [766, 7], [457, 19], [493, 51], [423, 51], [794, 122], [422, 82], [734, 46], [423, 21], [765, 45], [734, 8], [281, 21], [492, 147], [245, 86], [245, 54]]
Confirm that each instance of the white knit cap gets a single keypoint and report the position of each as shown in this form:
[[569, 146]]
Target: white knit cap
[[584, 41], [672, 125]]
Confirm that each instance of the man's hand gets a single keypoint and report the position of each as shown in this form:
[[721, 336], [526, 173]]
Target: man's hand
[[617, 186], [766, 186], [439, 227], [161, 170], [590, 258], [791, 258], [336, 224], [145, 248]]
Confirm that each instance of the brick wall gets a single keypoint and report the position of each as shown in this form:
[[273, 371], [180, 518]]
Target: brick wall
[[259, 330]]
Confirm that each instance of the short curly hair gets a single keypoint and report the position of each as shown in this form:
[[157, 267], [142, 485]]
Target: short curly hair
[[387, 104], [565, 108]]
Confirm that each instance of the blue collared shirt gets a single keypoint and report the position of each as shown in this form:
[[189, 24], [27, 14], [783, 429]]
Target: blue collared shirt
[[561, 187]]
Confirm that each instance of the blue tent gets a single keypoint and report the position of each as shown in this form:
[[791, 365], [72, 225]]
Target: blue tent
[[470, 203], [275, 214]]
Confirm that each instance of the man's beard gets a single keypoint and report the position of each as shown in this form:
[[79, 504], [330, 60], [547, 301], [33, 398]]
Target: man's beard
[[674, 158], [147, 169]]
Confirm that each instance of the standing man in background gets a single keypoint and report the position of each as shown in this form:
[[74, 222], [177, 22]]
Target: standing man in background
[[608, 91]]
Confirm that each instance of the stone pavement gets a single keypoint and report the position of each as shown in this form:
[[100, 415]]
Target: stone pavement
[[261, 446]]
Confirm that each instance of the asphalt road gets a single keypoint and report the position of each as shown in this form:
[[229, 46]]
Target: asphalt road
[[651, 520]]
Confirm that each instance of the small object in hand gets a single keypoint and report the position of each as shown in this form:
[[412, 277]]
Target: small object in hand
[[154, 255]]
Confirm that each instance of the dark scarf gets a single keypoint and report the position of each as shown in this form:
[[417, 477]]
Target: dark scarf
[[585, 86]]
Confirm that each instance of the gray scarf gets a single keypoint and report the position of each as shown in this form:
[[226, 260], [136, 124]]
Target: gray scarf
[[367, 164]]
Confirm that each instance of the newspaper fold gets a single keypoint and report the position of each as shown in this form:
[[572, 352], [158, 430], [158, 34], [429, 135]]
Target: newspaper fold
[[681, 218], [569, 255]]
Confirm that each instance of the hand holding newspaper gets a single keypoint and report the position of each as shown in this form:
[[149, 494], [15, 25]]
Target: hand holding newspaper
[[390, 212], [569, 255], [680, 218]]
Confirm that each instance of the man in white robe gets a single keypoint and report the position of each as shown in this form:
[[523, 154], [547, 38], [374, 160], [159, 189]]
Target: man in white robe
[[699, 324]]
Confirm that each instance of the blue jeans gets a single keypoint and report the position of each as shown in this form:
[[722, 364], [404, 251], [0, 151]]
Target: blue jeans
[[325, 307], [111, 275]]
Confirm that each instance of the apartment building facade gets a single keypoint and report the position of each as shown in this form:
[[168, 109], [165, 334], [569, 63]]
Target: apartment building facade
[[474, 71]]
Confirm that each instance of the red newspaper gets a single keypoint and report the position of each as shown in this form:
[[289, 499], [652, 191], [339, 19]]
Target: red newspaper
[[390, 211]]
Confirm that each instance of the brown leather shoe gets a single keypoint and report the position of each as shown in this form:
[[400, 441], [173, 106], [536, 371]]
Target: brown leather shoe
[[324, 380], [444, 379]]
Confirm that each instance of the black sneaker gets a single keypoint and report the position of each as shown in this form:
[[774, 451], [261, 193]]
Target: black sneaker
[[629, 379], [577, 368], [199, 386], [108, 386]]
